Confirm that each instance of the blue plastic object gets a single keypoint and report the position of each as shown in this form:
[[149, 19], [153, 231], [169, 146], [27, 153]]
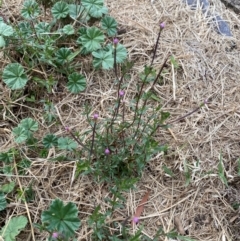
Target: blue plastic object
[[218, 23]]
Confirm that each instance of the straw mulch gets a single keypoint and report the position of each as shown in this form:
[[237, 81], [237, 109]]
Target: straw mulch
[[209, 69]]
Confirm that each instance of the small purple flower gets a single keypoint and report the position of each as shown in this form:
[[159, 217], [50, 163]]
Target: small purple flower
[[115, 41], [95, 116], [135, 220], [121, 93], [107, 151], [55, 235], [67, 128], [162, 25]]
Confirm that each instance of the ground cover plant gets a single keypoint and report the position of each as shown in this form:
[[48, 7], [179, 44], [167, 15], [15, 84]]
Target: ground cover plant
[[46, 51]]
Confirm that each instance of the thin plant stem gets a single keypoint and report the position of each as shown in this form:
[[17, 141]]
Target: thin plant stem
[[156, 45], [115, 60], [93, 136], [145, 101], [78, 141]]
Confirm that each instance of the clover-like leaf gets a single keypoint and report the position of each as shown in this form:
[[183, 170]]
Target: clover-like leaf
[[65, 143], [98, 13], [92, 39], [6, 157], [42, 27], [95, 7], [20, 134], [62, 55], [13, 228], [30, 9], [78, 12], [76, 83], [68, 29], [109, 24], [61, 218], [60, 10], [103, 58], [14, 76], [29, 124], [50, 140], [24, 129]]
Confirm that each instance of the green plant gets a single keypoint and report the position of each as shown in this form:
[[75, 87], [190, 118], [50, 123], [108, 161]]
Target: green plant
[[44, 45], [61, 221], [13, 227]]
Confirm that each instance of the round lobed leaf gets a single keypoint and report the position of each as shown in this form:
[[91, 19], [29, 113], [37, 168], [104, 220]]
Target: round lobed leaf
[[60, 10], [76, 83], [92, 39], [14, 76], [109, 24], [61, 218], [30, 9]]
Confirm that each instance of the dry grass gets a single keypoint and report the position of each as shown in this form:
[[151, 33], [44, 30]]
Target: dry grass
[[209, 69]]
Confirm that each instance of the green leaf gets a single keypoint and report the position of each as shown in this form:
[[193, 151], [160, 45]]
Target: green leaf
[[14, 76], [148, 75], [103, 59], [98, 13], [60, 10], [65, 143], [61, 218], [121, 54], [24, 130], [62, 55], [13, 227], [76, 11], [5, 29], [3, 202], [68, 29], [187, 173], [29, 124], [6, 157], [164, 116], [92, 39], [109, 24], [30, 9], [8, 187], [174, 62], [20, 134], [42, 27], [2, 42], [50, 140], [73, 55], [76, 83], [168, 171], [95, 7], [221, 173]]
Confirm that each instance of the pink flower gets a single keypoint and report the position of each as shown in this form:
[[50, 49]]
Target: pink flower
[[67, 128], [107, 151], [121, 93], [162, 25], [55, 235], [95, 116], [135, 220], [115, 41]]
